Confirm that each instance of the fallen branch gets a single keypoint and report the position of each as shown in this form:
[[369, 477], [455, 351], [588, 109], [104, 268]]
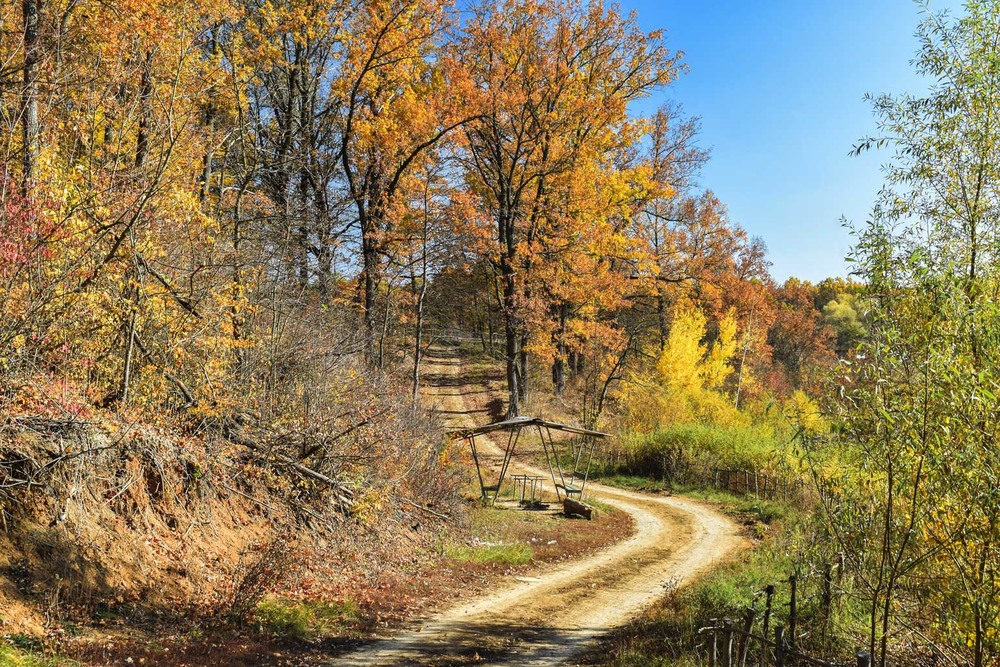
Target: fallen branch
[[341, 492], [446, 517]]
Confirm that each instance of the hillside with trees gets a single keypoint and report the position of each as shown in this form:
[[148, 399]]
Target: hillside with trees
[[232, 230]]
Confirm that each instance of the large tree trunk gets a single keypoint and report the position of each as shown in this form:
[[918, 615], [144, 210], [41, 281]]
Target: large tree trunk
[[29, 115]]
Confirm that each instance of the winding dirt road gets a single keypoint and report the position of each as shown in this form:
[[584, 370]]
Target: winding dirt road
[[554, 616]]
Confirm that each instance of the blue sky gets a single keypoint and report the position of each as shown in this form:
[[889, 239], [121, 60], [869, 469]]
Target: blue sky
[[779, 87]]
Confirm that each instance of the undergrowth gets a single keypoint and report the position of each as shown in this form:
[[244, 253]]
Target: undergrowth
[[668, 634], [11, 655], [501, 554], [304, 621]]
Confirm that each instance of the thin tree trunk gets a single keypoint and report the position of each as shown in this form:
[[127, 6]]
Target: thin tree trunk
[[505, 229], [661, 316], [369, 286], [29, 120], [522, 364], [145, 110], [385, 325], [123, 391], [559, 363]]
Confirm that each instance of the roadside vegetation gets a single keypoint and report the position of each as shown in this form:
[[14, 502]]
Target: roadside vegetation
[[232, 233]]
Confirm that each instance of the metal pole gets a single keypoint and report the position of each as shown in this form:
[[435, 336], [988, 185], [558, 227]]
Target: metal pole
[[479, 472], [548, 460]]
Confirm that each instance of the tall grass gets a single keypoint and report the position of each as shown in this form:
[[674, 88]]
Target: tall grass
[[672, 450]]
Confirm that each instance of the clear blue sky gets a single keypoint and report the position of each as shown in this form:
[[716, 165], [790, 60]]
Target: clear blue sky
[[779, 87]]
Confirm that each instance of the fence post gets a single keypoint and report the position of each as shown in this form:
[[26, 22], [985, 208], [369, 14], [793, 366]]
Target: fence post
[[769, 591], [864, 660], [779, 646]]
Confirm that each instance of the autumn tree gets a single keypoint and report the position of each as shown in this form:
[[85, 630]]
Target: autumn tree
[[918, 408], [393, 110], [800, 338], [555, 80]]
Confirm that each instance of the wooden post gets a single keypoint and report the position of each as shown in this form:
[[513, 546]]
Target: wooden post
[[779, 646], [727, 650], [864, 660], [769, 591]]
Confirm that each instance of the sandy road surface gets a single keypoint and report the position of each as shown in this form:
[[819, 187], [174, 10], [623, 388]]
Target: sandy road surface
[[548, 620]]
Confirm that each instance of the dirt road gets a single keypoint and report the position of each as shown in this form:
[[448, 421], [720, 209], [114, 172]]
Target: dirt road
[[550, 619]]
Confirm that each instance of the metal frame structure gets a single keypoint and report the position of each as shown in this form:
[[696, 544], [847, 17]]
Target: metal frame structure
[[514, 427]]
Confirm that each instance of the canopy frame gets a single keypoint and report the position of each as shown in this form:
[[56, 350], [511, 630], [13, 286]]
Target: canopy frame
[[514, 427]]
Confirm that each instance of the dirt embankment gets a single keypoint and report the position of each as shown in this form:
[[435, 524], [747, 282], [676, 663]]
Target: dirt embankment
[[553, 617]]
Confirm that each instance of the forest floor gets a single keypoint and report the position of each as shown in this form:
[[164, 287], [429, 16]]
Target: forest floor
[[555, 615]]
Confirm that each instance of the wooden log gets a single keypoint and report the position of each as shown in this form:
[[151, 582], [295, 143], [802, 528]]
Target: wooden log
[[573, 507]]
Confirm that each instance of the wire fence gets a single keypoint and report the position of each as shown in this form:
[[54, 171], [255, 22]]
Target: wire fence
[[752, 641]]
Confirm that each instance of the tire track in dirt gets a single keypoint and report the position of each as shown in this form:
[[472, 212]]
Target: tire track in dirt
[[549, 620]]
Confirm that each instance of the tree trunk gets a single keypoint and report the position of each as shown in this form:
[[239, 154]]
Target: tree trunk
[[661, 316], [29, 115], [510, 341], [384, 333], [522, 365], [145, 110], [505, 232], [209, 156], [418, 340], [369, 286], [559, 363]]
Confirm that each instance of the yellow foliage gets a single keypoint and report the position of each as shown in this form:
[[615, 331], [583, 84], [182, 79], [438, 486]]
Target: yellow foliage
[[680, 365], [805, 413], [687, 384], [717, 367]]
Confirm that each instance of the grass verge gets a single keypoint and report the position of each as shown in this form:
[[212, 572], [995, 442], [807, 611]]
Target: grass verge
[[11, 655], [304, 621]]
